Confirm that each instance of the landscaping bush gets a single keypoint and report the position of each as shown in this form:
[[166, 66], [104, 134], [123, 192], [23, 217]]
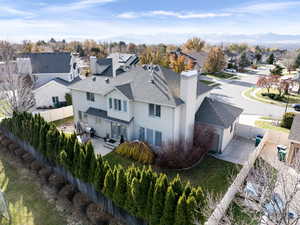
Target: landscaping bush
[[287, 120], [275, 97], [140, 191], [138, 151], [179, 154]]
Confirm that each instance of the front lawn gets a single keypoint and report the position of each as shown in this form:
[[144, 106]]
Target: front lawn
[[269, 126], [221, 75], [292, 98], [211, 174], [26, 202]]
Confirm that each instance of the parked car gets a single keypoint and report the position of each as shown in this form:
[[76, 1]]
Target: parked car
[[296, 107], [230, 70]]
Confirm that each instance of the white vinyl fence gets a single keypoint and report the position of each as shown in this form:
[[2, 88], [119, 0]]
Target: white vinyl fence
[[56, 114]]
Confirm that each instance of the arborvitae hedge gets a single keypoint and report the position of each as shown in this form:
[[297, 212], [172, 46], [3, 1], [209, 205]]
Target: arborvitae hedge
[[140, 191]]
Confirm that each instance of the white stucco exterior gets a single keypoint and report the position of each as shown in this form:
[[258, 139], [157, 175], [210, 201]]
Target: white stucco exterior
[[228, 134], [173, 122], [43, 95]]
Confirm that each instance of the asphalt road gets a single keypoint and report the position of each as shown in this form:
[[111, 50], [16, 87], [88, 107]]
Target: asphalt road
[[231, 92]]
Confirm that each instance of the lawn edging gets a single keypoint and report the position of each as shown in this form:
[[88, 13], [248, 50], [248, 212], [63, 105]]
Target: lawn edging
[[83, 187]]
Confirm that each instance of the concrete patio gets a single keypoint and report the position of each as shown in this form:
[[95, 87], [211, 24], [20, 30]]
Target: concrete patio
[[99, 147], [237, 151]]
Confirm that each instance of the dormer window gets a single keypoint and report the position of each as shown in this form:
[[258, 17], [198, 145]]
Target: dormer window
[[154, 110]]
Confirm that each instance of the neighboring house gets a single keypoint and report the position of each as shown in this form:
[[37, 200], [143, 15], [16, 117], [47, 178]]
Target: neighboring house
[[294, 138], [147, 103], [52, 93], [198, 58], [231, 58], [113, 65], [51, 73]]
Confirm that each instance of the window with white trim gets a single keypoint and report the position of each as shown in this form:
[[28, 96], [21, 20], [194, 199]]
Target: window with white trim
[[90, 96], [154, 110]]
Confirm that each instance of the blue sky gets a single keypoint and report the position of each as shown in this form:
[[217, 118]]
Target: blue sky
[[150, 21]]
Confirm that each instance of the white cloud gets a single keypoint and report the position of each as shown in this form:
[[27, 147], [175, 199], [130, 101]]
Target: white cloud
[[81, 4], [6, 10], [266, 6], [179, 15]]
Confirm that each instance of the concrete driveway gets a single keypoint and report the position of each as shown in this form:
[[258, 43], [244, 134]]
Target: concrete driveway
[[237, 151]]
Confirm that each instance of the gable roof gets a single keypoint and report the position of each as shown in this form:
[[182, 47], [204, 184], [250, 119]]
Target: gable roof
[[217, 113], [198, 57], [57, 80], [52, 62], [295, 129], [126, 90]]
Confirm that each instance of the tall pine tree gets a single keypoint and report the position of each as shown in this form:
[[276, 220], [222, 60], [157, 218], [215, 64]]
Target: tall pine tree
[[169, 209], [109, 184], [121, 187], [158, 199], [181, 212]]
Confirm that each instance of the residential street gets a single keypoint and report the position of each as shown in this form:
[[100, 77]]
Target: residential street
[[231, 91]]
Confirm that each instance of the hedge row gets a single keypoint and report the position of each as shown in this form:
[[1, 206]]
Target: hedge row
[[140, 191]]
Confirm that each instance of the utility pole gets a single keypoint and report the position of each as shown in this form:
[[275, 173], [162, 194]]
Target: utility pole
[[287, 103]]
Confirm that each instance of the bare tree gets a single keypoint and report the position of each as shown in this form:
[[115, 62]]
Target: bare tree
[[275, 194], [270, 197], [289, 60], [15, 89]]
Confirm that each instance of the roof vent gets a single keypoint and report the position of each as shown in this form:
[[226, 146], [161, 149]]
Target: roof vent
[[94, 79], [107, 80]]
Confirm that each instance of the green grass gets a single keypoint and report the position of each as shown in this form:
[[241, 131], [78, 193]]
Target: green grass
[[211, 174], [222, 75], [26, 202], [61, 122], [248, 94], [240, 216], [293, 98], [269, 126]]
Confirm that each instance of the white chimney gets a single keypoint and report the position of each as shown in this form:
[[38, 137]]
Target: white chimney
[[93, 64], [188, 93]]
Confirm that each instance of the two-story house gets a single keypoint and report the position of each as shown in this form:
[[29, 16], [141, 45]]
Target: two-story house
[[51, 73], [147, 103], [197, 58]]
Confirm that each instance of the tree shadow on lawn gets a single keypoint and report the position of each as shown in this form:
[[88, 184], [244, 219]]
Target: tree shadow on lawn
[[25, 199]]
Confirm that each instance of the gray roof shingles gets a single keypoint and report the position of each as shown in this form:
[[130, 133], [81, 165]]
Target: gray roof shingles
[[162, 87], [58, 80], [217, 113], [105, 66], [295, 129], [53, 62]]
